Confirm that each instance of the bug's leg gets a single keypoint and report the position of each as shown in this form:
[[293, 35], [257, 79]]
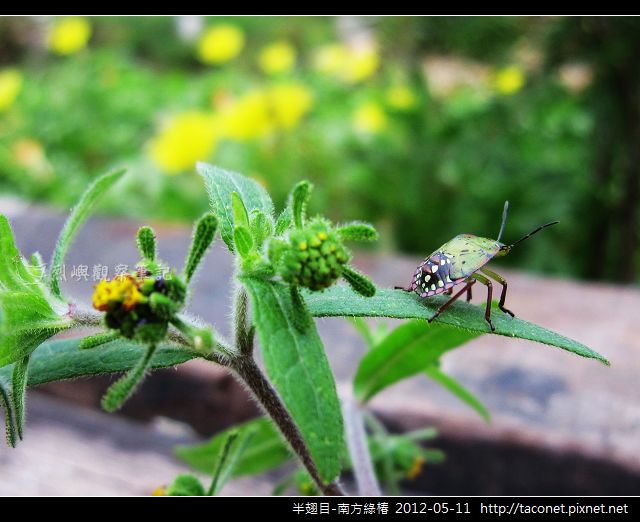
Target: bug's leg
[[448, 292], [503, 295], [406, 289], [487, 310], [448, 303], [468, 293]]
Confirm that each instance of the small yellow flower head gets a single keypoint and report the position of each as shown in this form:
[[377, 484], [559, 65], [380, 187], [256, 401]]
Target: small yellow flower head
[[289, 103], [401, 98], [69, 35], [416, 467], [331, 59], [122, 292], [247, 118], [262, 112], [160, 491], [277, 58], [10, 86], [220, 44], [187, 138], [351, 65], [509, 80], [369, 118], [362, 64]]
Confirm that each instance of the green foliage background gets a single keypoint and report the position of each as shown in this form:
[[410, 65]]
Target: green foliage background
[[442, 168]]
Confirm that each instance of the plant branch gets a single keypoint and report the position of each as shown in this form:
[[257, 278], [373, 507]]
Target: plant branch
[[359, 449], [250, 373]]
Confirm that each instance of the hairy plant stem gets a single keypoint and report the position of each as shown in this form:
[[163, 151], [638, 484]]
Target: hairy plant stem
[[249, 372], [359, 449]]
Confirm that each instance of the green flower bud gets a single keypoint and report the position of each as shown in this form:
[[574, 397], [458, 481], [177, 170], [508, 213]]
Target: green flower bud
[[315, 256]]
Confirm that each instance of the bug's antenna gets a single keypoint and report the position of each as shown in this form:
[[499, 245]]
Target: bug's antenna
[[504, 219], [534, 232]]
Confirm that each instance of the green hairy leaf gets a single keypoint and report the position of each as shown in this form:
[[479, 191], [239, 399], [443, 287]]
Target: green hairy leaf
[[342, 301], [283, 222], [28, 313], [124, 387], [357, 231], [234, 446], [220, 184], [147, 243], [261, 227], [18, 389], [298, 201], [265, 450], [186, 486], [61, 360], [449, 383], [298, 366], [78, 216], [406, 351], [204, 232], [243, 241], [359, 282], [240, 215]]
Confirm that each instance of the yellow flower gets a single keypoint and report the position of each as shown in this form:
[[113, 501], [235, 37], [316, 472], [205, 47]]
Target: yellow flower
[[401, 98], [187, 138], [416, 467], [351, 65], [69, 35], [331, 59], [121, 291], [509, 80], [160, 491], [29, 154], [362, 63], [10, 86], [261, 112], [247, 118], [220, 43], [369, 118], [289, 103], [276, 58]]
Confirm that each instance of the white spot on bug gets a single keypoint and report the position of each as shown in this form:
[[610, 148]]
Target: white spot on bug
[[433, 287], [434, 268], [440, 284], [442, 262], [448, 279], [448, 261], [427, 278]]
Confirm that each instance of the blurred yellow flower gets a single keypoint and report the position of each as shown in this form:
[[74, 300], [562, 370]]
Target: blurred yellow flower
[[69, 35], [289, 103], [401, 98], [29, 154], [362, 63], [10, 86], [186, 139], [276, 58], [247, 118], [330, 59], [351, 65], [261, 112], [509, 80], [220, 43], [369, 118]]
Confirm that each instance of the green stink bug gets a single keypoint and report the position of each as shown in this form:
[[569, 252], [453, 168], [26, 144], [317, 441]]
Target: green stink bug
[[459, 261]]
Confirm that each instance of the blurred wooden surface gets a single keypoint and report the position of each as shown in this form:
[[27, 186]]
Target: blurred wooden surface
[[79, 451], [545, 402]]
